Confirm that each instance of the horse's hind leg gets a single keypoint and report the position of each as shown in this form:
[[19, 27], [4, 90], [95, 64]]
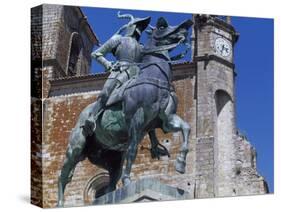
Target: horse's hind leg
[[74, 154], [173, 123], [130, 158], [135, 136]]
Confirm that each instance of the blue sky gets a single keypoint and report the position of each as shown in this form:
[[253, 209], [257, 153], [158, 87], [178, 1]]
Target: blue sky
[[254, 66], [254, 88]]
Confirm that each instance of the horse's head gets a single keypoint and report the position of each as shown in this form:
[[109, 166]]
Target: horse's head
[[170, 36], [162, 39]]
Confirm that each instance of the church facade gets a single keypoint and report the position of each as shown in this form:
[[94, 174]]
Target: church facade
[[220, 162]]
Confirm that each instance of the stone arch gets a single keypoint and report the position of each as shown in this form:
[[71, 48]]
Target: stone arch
[[224, 143], [96, 187], [224, 115], [222, 97], [75, 52]]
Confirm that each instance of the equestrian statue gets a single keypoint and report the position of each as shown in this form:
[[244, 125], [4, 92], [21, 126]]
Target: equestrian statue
[[138, 97]]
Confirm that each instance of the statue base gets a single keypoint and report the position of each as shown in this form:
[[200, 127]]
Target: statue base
[[143, 190]]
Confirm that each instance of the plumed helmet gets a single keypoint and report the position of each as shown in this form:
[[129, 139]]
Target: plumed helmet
[[135, 24]]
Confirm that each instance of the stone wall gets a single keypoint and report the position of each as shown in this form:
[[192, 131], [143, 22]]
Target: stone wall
[[51, 22], [35, 154], [60, 116], [53, 35], [36, 103], [246, 177], [50, 34]]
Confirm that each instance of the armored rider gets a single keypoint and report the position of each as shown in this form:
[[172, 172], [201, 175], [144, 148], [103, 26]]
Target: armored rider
[[127, 51]]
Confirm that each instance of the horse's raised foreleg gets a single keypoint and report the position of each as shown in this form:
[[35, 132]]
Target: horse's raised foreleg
[[173, 123], [74, 154]]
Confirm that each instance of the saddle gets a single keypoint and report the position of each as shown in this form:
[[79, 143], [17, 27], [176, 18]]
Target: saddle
[[118, 92]]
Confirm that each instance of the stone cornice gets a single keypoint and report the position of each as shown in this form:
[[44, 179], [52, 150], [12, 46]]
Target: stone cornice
[[210, 57], [95, 82]]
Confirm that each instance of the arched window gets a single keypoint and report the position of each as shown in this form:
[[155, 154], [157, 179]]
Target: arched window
[[225, 115], [224, 146], [74, 55], [96, 187], [222, 99]]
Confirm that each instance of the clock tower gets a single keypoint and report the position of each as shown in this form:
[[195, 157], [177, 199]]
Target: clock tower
[[213, 40]]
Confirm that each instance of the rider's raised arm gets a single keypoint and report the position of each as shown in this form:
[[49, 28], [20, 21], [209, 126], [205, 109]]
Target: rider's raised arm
[[107, 47]]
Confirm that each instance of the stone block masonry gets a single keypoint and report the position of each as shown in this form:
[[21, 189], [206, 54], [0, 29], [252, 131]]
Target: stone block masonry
[[142, 191], [51, 30]]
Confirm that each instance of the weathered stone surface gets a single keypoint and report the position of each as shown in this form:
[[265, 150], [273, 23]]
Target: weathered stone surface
[[54, 31], [36, 147], [147, 189]]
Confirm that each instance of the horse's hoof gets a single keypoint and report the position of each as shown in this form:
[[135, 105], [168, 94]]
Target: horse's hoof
[[158, 152], [180, 166], [60, 204]]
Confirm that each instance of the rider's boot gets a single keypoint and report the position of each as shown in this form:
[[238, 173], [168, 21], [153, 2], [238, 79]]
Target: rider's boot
[[90, 124]]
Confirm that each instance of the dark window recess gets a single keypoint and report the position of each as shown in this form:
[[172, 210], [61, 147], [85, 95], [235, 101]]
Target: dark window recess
[[75, 56]]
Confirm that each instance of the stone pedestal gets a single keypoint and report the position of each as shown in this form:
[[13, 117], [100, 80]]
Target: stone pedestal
[[143, 190]]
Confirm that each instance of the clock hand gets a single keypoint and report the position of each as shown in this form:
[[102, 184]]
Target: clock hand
[[222, 48]]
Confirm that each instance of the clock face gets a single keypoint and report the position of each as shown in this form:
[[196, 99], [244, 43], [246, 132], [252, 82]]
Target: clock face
[[223, 47]]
